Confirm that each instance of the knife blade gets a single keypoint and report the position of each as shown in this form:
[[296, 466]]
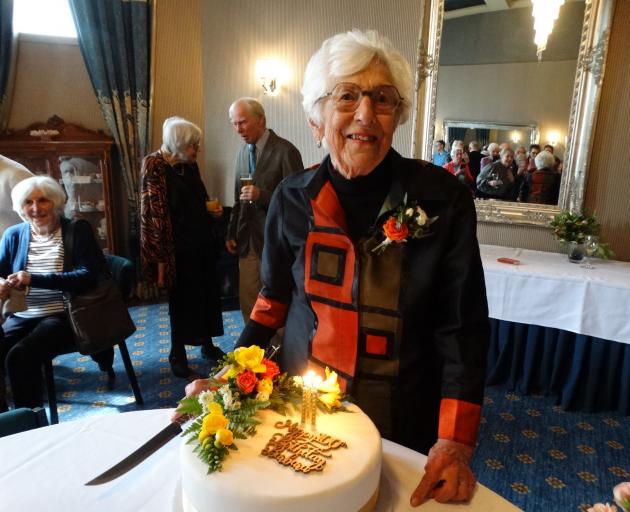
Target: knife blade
[[132, 460]]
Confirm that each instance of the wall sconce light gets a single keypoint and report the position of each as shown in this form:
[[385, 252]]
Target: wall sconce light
[[268, 71], [516, 137], [554, 138]]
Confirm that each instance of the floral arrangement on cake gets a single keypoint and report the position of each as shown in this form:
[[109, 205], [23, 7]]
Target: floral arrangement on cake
[[407, 221], [575, 227], [621, 492], [243, 383]]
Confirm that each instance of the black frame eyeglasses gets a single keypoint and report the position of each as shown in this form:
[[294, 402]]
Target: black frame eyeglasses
[[346, 97]]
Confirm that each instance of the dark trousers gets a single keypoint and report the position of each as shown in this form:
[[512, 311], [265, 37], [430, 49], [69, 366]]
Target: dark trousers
[[27, 344]]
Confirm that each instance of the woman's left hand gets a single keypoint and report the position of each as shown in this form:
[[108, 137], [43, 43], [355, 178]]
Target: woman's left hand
[[20, 279], [447, 475]]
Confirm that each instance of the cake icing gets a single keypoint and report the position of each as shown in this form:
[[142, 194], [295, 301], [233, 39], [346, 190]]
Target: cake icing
[[250, 481]]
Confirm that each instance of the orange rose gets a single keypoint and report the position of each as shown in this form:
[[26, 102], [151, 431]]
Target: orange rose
[[272, 370], [394, 233], [246, 381]]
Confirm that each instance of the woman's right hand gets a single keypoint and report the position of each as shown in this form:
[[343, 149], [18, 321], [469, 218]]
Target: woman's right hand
[[192, 389], [20, 279]]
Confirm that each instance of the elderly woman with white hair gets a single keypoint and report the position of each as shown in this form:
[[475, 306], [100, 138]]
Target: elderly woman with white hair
[[178, 245], [542, 186], [371, 264], [36, 254], [458, 166], [497, 180]]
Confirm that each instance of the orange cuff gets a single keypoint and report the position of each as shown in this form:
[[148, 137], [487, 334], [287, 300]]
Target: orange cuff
[[459, 421], [268, 312]]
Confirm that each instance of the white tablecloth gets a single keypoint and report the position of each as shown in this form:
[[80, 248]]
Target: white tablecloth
[[547, 290], [46, 469]]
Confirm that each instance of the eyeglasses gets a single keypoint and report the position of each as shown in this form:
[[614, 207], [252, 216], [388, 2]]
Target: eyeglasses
[[347, 97]]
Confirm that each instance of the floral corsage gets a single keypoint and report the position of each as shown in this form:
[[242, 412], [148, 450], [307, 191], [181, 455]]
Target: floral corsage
[[407, 221]]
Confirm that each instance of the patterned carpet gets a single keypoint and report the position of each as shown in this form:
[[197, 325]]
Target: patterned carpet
[[533, 453]]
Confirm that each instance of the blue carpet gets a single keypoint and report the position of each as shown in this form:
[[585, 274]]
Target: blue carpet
[[530, 451]]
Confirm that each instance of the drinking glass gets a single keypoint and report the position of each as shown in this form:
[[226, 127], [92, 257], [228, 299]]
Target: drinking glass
[[246, 180], [591, 244]]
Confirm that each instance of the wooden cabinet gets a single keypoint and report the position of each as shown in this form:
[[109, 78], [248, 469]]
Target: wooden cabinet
[[80, 160]]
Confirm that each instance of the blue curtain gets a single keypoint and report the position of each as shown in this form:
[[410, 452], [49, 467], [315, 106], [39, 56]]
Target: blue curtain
[[456, 133], [483, 136], [584, 373], [115, 40], [7, 49]]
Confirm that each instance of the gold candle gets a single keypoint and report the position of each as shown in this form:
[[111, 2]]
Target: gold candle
[[307, 388]]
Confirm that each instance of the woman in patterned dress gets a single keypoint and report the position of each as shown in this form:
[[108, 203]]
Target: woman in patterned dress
[[178, 246]]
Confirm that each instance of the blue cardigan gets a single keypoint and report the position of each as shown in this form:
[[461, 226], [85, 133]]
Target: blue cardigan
[[86, 258]]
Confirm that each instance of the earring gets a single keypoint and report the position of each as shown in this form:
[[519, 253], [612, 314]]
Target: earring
[[319, 143]]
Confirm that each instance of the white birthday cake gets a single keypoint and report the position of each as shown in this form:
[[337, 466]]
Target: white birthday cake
[[252, 481]]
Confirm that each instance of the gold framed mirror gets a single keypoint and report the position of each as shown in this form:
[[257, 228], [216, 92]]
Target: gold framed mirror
[[573, 66]]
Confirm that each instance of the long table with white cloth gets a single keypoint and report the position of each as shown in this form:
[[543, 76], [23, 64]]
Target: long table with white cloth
[[46, 469], [559, 328]]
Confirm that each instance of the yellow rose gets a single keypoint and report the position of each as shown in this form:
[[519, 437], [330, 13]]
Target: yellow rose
[[251, 358], [224, 437], [264, 386], [330, 385], [330, 400], [215, 408], [211, 423]]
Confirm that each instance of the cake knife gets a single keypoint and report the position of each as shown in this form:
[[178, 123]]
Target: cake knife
[[146, 450]]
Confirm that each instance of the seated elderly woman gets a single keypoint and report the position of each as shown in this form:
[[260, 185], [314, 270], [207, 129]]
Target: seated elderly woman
[[497, 180], [405, 325], [543, 185], [35, 254], [458, 166]]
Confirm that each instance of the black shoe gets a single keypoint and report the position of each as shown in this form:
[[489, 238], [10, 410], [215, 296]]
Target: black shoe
[[212, 352], [179, 367]]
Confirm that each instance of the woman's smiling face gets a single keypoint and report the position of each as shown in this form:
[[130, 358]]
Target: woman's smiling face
[[358, 141]]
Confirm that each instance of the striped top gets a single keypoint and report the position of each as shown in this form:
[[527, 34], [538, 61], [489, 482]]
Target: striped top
[[45, 256]]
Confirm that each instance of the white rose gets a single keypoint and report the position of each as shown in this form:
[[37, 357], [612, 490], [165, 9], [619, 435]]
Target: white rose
[[422, 218], [409, 212]]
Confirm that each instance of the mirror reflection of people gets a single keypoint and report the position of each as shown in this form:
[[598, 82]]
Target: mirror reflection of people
[[440, 155], [32, 255], [458, 167], [534, 149], [492, 156], [496, 180], [178, 244], [405, 329], [542, 186]]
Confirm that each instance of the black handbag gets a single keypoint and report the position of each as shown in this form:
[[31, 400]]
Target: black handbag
[[99, 317]]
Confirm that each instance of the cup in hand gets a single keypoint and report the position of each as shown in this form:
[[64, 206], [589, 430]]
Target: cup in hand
[[245, 181], [212, 204]]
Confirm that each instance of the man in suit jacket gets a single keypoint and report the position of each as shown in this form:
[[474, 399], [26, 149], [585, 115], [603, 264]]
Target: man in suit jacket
[[10, 174], [267, 159]]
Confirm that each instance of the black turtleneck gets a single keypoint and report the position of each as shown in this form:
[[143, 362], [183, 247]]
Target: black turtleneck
[[361, 198]]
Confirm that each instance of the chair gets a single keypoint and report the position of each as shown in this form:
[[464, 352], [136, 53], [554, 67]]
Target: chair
[[22, 419], [123, 274]]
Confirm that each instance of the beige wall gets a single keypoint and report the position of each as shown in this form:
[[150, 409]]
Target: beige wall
[[178, 77], [51, 78]]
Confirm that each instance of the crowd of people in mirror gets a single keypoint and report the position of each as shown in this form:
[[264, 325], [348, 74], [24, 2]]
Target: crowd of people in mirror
[[498, 171], [423, 345]]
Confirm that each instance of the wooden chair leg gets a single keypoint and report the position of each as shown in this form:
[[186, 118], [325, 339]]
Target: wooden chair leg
[[52, 393], [131, 374]]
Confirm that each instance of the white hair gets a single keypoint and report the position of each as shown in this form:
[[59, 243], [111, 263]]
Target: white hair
[[347, 54], [254, 106], [455, 149], [49, 187], [545, 160], [492, 147], [177, 133]]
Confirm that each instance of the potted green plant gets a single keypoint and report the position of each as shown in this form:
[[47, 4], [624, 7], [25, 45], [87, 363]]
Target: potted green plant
[[571, 230]]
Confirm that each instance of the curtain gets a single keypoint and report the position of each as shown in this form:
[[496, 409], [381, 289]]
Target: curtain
[[115, 40], [583, 373], [455, 133], [7, 60], [483, 136]]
